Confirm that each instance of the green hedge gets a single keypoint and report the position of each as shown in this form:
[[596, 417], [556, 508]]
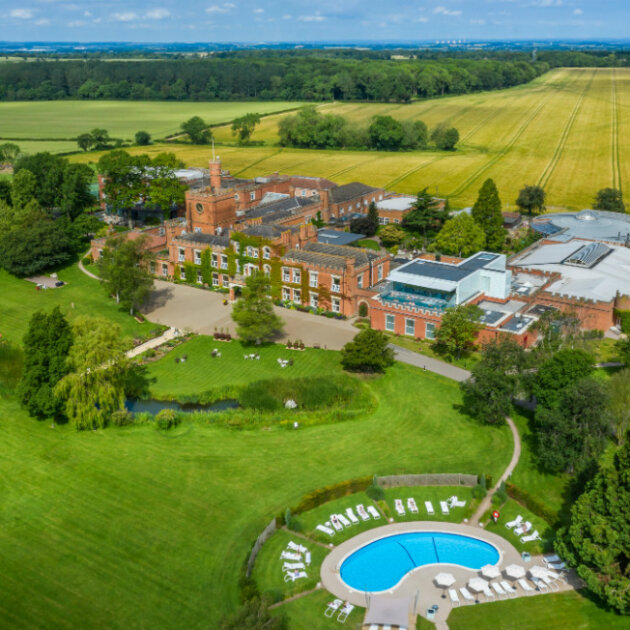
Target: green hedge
[[328, 493], [624, 318], [534, 505]]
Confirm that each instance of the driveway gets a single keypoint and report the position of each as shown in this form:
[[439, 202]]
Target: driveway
[[200, 311]]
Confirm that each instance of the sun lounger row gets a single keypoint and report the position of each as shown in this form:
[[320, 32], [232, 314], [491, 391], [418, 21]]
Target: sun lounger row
[[413, 508], [334, 606], [337, 522], [298, 557], [520, 528], [503, 589]]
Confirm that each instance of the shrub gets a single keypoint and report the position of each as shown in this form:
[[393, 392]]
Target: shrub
[[534, 505], [150, 353], [479, 492], [328, 493], [167, 419], [88, 260], [375, 492], [121, 418], [363, 309]]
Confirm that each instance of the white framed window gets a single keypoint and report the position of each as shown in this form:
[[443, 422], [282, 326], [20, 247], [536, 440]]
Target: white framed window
[[297, 295], [312, 279], [429, 331], [182, 254], [267, 270], [247, 270], [198, 230], [380, 197], [215, 279], [396, 220], [336, 305], [266, 253], [358, 204], [360, 281], [182, 271], [286, 274], [286, 294], [314, 299], [297, 276], [197, 257], [303, 193], [380, 272], [164, 269], [236, 196], [238, 266], [336, 284], [390, 322], [152, 267], [252, 195], [250, 251], [224, 261], [214, 260], [410, 326], [199, 277], [255, 252], [341, 212], [225, 279]]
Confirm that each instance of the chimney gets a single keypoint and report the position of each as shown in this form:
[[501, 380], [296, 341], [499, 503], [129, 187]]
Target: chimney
[[215, 175]]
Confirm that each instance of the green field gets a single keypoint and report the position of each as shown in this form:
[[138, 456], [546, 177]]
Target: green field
[[64, 120], [568, 131]]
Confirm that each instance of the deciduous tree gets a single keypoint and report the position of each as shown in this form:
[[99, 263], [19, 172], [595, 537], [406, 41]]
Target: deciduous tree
[[369, 351], [142, 138], [391, 235], [531, 199], [460, 236], [244, 126], [620, 403], [609, 199], [386, 133], [197, 130], [458, 330]]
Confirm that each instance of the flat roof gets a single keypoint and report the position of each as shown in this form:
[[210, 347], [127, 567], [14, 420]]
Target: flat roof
[[337, 237], [447, 271], [597, 225], [396, 203]]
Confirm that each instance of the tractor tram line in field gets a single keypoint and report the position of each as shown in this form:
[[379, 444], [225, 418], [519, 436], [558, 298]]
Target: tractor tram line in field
[[544, 178], [616, 159]]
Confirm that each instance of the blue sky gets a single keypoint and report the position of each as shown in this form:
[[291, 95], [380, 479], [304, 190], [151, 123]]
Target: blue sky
[[310, 20]]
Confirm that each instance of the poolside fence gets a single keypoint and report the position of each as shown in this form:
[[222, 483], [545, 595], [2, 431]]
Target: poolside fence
[[447, 479], [260, 541]]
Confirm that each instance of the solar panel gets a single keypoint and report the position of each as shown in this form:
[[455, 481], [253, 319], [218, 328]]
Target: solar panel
[[587, 255], [546, 228]]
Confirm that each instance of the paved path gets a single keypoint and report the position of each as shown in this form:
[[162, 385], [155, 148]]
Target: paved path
[[428, 363], [86, 272], [169, 334], [485, 504]]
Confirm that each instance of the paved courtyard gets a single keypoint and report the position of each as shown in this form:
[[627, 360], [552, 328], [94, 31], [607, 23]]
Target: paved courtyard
[[200, 311]]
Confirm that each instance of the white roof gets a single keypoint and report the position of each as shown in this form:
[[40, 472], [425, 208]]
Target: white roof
[[601, 282], [396, 203]]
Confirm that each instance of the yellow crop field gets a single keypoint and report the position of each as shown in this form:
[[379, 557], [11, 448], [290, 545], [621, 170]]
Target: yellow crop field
[[568, 131]]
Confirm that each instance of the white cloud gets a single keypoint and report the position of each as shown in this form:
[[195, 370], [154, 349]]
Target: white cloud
[[76, 23], [127, 16], [422, 20], [578, 12], [22, 14], [311, 18], [259, 10], [287, 17], [42, 22], [545, 3], [87, 14], [221, 8], [445, 11], [157, 14], [477, 21]]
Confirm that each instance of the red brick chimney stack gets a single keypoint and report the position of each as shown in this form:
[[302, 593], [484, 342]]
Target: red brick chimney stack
[[215, 174]]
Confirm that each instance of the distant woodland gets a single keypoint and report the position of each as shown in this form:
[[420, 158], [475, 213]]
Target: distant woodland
[[286, 75]]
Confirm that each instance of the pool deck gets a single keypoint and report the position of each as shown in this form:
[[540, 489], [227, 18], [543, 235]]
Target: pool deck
[[418, 585]]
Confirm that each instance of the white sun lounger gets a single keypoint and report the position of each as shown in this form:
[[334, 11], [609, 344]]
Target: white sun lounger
[[293, 566], [498, 589], [429, 507], [525, 585], [411, 504], [515, 523], [444, 507], [455, 502], [295, 547], [295, 575], [326, 530], [373, 511], [344, 612], [508, 588], [466, 594], [523, 529], [539, 584], [488, 593], [335, 522], [557, 566], [332, 607], [307, 557], [452, 593], [552, 558], [362, 513], [400, 508], [550, 581], [290, 555], [531, 537], [344, 521], [352, 516]]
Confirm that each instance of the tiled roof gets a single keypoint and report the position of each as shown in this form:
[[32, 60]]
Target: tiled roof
[[347, 192], [206, 239], [291, 204], [360, 256], [316, 258], [269, 231], [331, 256], [314, 183]]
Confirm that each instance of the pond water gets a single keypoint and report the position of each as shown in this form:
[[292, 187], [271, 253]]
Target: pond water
[[155, 406]]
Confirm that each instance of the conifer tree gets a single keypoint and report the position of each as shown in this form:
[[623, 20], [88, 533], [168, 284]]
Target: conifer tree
[[487, 213]]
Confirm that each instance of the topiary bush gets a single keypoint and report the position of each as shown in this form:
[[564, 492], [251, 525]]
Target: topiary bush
[[167, 419], [363, 309]]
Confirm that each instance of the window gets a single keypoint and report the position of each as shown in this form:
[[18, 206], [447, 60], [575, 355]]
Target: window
[[238, 266], [215, 260], [341, 212], [396, 221], [182, 271], [389, 322], [182, 254], [267, 270], [224, 261], [430, 331], [164, 269], [215, 279], [303, 193], [266, 253], [252, 196], [286, 274], [286, 294], [199, 208], [336, 305], [198, 230], [248, 270], [336, 284], [250, 251], [312, 279], [100, 252], [314, 300], [255, 252], [225, 279], [297, 295], [380, 197], [360, 281], [236, 197], [297, 276], [380, 272], [199, 277], [358, 204], [152, 267], [410, 327], [197, 257]]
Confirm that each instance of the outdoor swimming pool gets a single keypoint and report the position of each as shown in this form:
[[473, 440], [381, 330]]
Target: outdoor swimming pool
[[380, 565]]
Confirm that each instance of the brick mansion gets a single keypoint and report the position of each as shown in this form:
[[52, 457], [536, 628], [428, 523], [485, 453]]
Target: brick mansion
[[231, 228]]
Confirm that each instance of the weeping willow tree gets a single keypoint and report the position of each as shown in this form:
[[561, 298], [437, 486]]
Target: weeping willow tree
[[95, 387]]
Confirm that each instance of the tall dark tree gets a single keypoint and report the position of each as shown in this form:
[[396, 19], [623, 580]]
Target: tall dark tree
[[609, 199], [597, 540], [46, 347], [197, 130], [84, 141], [142, 138], [427, 217], [531, 199], [487, 213], [369, 351]]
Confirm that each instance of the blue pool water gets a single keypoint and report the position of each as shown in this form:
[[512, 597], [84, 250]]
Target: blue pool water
[[382, 564]]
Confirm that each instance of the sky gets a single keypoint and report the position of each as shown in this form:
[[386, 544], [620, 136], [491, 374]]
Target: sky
[[310, 20]]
